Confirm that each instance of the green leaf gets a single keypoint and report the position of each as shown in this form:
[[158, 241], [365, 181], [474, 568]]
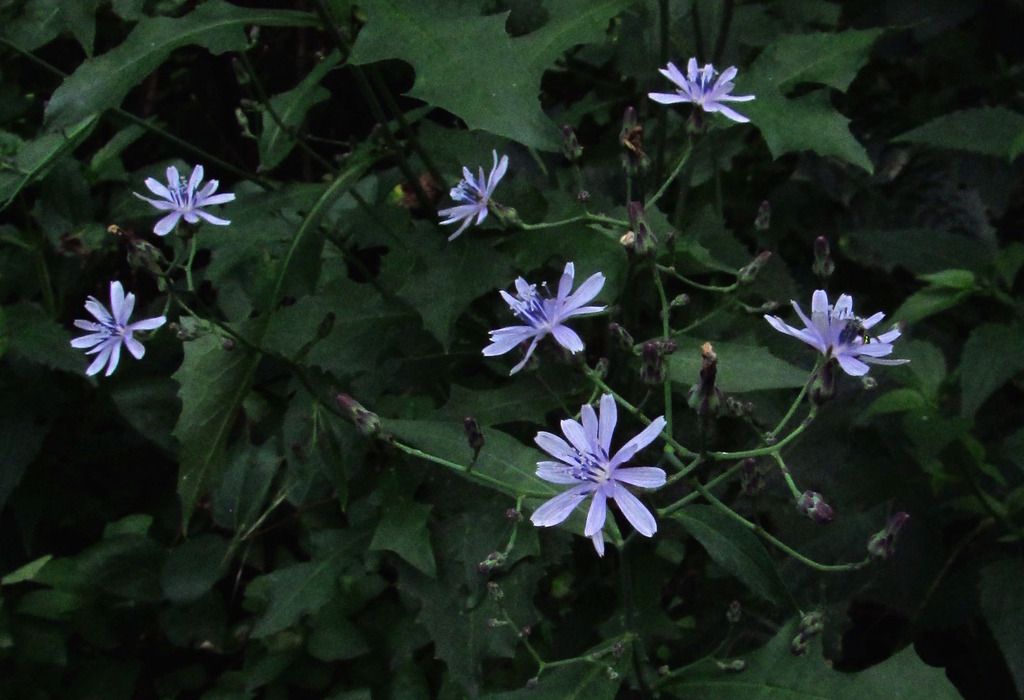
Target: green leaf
[[275, 142], [192, 567], [808, 122], [928, 302], [990, 131], [741, 368], [918, 250], [1000, 606], [773, 673], [27, 572], [212, 382], [993, 354], [927, 365], [34, 336], [458, 274], [951, 279], [242, 491], [103, 82], [896, 401], [737, 550], [507, 464], [403, 530], [526, 399], [35, 157], [445, 44]]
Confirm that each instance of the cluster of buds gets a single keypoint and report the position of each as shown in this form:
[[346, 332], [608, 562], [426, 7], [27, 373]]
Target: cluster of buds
[[631, 138], [366, 422], [652, 362], [734, 613], [811, 625], [732, 666], [813, 505], [882, 544], [495, 592], [705, 397]]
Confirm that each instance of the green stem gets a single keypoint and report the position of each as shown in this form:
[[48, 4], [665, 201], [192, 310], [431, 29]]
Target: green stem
[[796, 403], [684, 470], [691, 497], [774, 541], [192, 245], [672, 176], [403, 124], [462, 469], [793, 489], [598, 218], [666, 333], [666, 436], [770, 449], [721, 289]]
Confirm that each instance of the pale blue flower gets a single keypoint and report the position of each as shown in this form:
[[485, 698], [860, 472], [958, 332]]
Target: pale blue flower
[[184, 199], [111, 330], [836, 332], [697, 88], [475, 195], [585, 463], [543, 315]]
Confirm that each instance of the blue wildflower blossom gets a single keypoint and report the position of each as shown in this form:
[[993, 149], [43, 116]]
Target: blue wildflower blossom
[[836, 332], [543, 315], [184, 199], [475, 193], [111, 330], [697, 88], [585, 463]]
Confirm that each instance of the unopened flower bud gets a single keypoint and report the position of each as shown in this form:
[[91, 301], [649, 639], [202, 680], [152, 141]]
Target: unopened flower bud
[[664, 670], [525, 631], [763, 220], [513, 515], [620, 336], [474, 435], [583, 196], [823, 266], [366, 422], [734, 613], [732, 666], [644, 241], [705, 398], [227, 344], [652, 368], [494, 623], [628, 239], [868, 382], [681, 300], [812, 504], [143, 255], [531, 684], [494, 591], [611, 673], [696, 123], [631, 138], [494, 560], [748, 273], [799, 645], [571, 148], [812, 623], [506, 215], [618, 649], [752, 480], [882, 544], [601, 367]]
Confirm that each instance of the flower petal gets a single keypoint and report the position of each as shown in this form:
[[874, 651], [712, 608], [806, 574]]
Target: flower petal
[[852, 366], [195, 179], [136, 348], [88, 341], [115, 357], [666, 98], [576, 434], [556, 447], [527, 356], [598, 540], [158, 189], [567, 338], [635, 511], [644, 477], [148, 324], [609, 417], [167, 224], [222, 198], [597, 513], [557, 509], [642, 440], [504, 339], [99, 311], [556, 473], [565, 283], [215, 220], [101, 358], [587, 291], [590, 425]]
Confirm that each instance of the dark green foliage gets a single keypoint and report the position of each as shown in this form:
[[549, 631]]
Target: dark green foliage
[[314, 485]]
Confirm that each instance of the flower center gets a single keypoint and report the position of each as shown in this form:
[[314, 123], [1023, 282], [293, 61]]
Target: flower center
[[530, 308], [590, 468]]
